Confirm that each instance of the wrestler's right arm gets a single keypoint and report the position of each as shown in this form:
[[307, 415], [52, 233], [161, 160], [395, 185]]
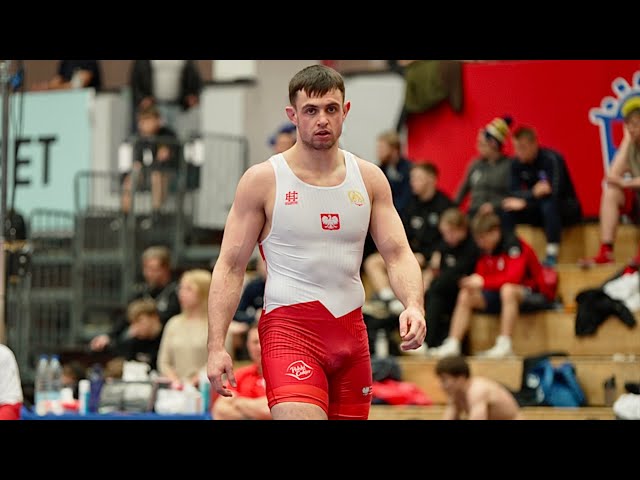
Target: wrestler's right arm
[[244, 223]]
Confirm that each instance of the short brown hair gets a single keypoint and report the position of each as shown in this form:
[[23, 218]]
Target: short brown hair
[[143, 306], [525, 132], [455, 217], [483, 223], [428, 167], [391, 138], [315, 80], [163, 254], [455, 366]]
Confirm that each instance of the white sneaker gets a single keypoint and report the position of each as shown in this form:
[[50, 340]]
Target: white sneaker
[[501, 349], [449, 348]]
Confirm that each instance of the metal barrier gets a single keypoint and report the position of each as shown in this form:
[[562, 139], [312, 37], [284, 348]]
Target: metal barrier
[[83, 265]]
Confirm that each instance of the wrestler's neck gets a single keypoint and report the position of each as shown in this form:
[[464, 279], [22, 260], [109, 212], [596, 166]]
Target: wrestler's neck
[[310, 159]]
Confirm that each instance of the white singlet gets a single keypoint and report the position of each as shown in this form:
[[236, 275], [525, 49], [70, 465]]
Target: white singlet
[[314, 249]]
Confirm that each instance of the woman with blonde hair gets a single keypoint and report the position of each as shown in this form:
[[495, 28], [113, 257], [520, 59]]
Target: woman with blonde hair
[[183, 348]]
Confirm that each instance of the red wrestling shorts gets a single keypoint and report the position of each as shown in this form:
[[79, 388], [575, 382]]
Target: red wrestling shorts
[[310, 356]]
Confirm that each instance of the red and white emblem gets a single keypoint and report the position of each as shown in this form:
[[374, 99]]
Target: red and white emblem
[[330, 221], [291, 198]]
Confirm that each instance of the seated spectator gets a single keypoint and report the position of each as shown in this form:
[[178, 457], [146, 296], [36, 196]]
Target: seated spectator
[[11, 396], [421, 218], [542, 192], [396, 167], [145, 332], [621, 186], [173, 86], [453, 258], [486, 181], [472, 397], [249, 308], [159, 285], [284, 138], [249, 399], [153, 154], [508, 279], [183, 347], [74, 74]]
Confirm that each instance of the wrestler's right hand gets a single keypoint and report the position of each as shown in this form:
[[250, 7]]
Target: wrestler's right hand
[[219, 363]]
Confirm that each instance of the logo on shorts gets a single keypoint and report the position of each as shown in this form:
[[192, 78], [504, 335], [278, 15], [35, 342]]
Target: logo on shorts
[[291, 198], [367, 391], [609, 116], [299, 370], [356, 197], [330, 221]]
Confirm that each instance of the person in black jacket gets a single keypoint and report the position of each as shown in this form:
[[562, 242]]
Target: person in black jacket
[[454, 257], [154, 155], [542, 192]]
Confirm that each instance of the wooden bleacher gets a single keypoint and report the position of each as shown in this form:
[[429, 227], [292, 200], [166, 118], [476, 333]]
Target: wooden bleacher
[[614, 350]]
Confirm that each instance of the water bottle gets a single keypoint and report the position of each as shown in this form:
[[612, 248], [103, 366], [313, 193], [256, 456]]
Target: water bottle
[[41, 386], [610, 391], [55, 385], [96, 381], [205, 392], [84, 392]]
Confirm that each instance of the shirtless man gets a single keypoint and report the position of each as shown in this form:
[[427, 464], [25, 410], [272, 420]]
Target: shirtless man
[[474, 398], [309, 209]]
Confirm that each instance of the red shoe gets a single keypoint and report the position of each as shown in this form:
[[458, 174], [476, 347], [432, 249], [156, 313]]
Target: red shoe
[[604, 257]]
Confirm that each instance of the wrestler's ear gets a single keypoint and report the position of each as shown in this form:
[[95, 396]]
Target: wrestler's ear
[[291, 114]]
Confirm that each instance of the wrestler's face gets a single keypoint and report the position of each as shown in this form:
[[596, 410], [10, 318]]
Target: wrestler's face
[[319, 118], [450, 384]]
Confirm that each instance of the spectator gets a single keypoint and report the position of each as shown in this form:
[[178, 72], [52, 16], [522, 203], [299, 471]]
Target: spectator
[[453, 258], [542, 192], [621, 186], [11, 396], [183, 348], [284, 138], [396, 168], [159, 285], [486, 181], [74, 74], [508, 279], [145, 333], [249, 308], [154, 155], [172, 85], [472, 397], [249, 399], [420, 219]]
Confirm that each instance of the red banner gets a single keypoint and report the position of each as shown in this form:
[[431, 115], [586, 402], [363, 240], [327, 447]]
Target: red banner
[[573, 104]]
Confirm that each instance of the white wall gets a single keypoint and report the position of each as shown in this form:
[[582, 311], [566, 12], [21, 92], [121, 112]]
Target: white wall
[[376, 102]]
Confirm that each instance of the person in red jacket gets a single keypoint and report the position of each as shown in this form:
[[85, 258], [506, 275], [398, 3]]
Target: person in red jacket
[[508, 279]]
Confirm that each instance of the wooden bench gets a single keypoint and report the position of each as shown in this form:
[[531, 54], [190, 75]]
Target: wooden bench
[[434, 412], [592, 371], [555, 330]]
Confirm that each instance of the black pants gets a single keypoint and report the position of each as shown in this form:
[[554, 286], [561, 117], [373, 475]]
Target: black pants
[[440, 300]]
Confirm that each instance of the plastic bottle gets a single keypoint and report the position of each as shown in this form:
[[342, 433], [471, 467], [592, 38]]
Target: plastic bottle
[[382, 344], [55, 387], [41, 386], [205, 392], [84, 392], [96, 379]]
